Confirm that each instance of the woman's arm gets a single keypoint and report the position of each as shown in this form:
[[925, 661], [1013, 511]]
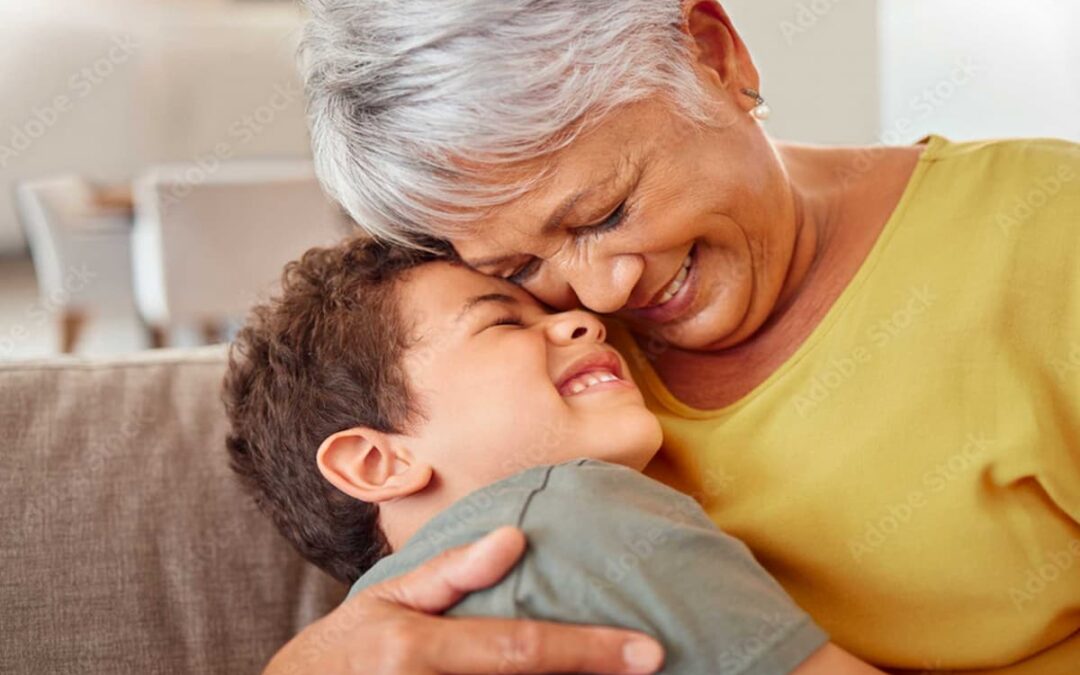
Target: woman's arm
[[389, 628]]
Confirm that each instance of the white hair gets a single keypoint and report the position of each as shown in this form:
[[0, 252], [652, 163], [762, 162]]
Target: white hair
[[411, 102]]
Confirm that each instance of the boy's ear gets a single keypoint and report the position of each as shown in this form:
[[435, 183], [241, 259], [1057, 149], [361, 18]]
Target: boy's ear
[[371, 466]]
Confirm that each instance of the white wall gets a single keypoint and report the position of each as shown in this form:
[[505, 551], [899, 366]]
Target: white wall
[[199, 70], [892, 71], [819, 66], [106, 88], [833, 71], [971, 70]]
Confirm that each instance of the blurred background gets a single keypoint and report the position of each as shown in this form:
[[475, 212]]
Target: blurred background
[[155, 170]]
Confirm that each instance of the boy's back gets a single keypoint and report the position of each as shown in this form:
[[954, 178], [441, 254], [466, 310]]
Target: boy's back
[[609, 546]]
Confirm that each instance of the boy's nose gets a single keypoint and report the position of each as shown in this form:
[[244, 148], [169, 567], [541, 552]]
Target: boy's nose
[[575, 326]]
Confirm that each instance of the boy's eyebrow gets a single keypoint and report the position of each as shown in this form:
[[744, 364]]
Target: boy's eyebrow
[[477, 300]]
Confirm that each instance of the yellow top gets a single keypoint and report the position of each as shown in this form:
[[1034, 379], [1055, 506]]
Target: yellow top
[[911, 474]]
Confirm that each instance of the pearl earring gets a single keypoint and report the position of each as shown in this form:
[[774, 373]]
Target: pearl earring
[[761, 109]]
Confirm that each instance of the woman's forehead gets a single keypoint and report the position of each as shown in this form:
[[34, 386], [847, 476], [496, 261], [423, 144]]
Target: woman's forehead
[[579, 182], [573, 189]]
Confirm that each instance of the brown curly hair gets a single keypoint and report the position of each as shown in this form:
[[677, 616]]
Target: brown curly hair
[[322, 357]]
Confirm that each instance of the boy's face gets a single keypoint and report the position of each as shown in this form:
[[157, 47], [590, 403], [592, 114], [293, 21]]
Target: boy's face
[[504, 385]]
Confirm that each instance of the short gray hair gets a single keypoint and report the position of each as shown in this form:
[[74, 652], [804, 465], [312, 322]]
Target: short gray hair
[[412, 101]]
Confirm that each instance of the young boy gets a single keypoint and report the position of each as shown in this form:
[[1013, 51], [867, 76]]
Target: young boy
[[390, 405]]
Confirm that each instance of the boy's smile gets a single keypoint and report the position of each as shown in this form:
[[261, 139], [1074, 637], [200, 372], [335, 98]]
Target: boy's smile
[[602, 367]]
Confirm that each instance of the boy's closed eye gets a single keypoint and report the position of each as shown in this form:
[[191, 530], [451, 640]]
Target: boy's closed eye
[[508, 321]]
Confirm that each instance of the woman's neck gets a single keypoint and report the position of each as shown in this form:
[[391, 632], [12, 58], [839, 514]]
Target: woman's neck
[[843, 198], [819, 201]]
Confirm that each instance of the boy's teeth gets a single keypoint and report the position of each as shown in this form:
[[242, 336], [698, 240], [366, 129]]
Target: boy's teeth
[[583, 382], [676, 283]]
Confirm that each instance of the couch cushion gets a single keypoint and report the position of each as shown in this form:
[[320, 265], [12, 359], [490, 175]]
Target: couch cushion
[[126, 544]]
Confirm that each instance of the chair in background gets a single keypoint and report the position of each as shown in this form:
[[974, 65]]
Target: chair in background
[[208, 241], [81, 248]]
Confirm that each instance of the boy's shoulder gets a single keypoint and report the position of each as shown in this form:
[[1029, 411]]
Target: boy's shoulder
[[578, 496], [597, 491], [610, 546]]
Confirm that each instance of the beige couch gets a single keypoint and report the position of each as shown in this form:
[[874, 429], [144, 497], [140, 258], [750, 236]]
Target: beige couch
[[126, 544]]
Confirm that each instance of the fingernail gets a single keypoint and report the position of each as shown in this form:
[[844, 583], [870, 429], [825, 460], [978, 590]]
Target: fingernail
[[642, 656]]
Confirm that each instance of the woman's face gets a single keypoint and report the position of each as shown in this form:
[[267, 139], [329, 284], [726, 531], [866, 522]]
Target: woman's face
[[685, 232]]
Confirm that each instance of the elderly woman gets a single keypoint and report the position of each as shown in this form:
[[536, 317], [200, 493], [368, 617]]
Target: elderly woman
[[866, 360]]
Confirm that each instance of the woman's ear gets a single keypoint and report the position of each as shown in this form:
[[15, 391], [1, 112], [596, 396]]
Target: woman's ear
[[719, 49], [371, 466]]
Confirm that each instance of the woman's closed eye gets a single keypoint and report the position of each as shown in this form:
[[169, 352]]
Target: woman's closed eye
[[523, 273], [611, 222]]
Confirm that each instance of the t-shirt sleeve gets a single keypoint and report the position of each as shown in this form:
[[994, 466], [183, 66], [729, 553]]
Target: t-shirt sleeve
[[610, 546]]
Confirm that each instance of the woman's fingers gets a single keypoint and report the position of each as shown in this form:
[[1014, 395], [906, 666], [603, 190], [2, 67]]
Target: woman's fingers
[[472, 646], [388, 628], [465, 646], [442, 581]]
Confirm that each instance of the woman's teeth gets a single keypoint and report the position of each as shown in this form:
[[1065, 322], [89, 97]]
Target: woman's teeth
[[586, 380], [676, 283]]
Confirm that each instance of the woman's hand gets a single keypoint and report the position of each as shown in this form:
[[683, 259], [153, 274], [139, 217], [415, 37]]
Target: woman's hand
[[389, 628]]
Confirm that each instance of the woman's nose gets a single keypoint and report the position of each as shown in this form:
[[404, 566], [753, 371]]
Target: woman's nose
[[605, 286], [576, 326]]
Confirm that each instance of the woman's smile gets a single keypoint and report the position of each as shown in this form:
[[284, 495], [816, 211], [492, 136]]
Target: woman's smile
[[671, 302]]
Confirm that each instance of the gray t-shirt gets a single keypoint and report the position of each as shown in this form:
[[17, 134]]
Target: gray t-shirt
[[610, 546]]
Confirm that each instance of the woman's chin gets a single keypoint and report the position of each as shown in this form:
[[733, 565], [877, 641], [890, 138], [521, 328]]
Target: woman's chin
[[720, 324]]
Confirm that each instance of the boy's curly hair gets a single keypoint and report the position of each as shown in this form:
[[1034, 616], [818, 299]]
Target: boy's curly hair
[[324, 356]]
